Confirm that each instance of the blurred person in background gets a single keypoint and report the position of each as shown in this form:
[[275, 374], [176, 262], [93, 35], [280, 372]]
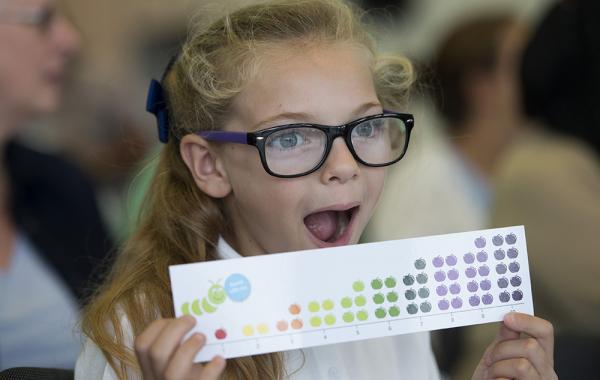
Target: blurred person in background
[[550, 181], [51, 234], [475, 89]]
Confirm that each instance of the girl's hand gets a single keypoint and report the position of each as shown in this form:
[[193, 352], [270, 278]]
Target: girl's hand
[[512, 357], [162, 355]]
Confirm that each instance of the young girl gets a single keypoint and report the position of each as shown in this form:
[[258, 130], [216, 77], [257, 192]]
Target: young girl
[[215, 196]]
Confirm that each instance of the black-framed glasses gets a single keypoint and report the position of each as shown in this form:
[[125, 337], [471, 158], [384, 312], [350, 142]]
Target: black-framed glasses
[[295, 150], [38, 17]]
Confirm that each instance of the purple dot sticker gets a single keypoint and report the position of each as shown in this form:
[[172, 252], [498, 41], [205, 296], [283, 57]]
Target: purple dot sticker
[[457, 302], [441, 290], [453, 274], [472, 286], [501, 268], [498, 240], [482, 256], [512, 253], [451, 260], [514, 267], [422, 278], [423, 292], [444, 304], [487, 299], [474, 300], [517, 295], [502, 282], [438, 261], [455, 288], [499, 254], [440, 276], [483, 270], [408, 280], [469, 258], [425, 307], [480, 242], [511, 239], [515, 281], [504, 297], [485, 285], [470, 272]]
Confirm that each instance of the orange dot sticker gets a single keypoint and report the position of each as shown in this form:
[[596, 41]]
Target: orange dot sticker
[[297, 324], [295, 309], [282, 325]]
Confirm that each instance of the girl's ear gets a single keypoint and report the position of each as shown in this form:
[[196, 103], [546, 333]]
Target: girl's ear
[[205, 165]]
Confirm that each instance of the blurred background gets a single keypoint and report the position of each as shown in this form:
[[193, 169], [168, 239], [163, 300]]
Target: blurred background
[[485, 151]]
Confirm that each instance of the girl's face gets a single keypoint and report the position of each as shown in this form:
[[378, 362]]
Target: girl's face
[[329, 85]]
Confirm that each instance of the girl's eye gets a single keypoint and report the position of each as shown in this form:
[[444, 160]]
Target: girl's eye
[[287, 140], [368, 129]]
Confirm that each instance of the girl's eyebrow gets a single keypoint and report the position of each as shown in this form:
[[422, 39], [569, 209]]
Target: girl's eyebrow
[[307, 116]]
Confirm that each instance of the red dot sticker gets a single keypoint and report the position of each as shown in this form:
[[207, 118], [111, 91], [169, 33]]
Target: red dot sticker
[[220, 334]]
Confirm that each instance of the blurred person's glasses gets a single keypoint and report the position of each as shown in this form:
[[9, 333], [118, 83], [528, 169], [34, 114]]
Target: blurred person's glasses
[[295, 150], [40, 18]]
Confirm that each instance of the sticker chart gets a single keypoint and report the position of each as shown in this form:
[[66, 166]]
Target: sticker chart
[[295, 300]]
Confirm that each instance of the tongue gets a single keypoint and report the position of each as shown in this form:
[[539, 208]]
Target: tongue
[[322, 224]]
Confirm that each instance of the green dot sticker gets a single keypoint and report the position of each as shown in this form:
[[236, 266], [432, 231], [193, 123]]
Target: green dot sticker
[[362, 315], [378, 298], [346, 302], [390, 282], [380, 313], [410, 294], [420, 264], [348, 317], [315, 321], [313, 306], [327, 305], [394, 311], [358, 286], [360, 301], [392, 297], [329, 319], [377, 284]]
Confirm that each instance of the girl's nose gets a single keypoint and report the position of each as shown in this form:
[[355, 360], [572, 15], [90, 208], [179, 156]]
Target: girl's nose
[[340, 165], [66, 38]]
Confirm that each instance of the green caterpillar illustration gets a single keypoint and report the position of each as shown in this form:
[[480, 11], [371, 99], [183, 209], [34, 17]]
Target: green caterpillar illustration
[[216, 296]]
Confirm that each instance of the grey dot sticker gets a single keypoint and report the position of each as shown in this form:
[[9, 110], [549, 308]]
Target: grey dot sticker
[[408, 280], [504, 297], [410, 294], [480, 242], [482, 256], [499, 254], [470, 272], [487, 299], [451, 260], [498, 240], [455, 288], [514, 267], [425, 307], [422, 278], [517, 295], [512, 253], [440, 276], [438, 262], [515, 281], [472, 286], [469, 258], [511, 239], [502, 282], [501, 268], [474, 300], [457, 302], [485, 285], [441, 290], [412, 308], [444, 304], [453, 274], [423, 292], [483, 270], [420, 264]]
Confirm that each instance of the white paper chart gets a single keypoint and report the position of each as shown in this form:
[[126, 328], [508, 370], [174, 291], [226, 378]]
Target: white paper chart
[[294, 300]]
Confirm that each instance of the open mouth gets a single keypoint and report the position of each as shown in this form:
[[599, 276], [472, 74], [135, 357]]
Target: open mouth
[[331, 227]]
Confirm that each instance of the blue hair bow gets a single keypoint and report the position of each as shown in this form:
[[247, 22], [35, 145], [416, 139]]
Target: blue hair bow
[[157, 105]]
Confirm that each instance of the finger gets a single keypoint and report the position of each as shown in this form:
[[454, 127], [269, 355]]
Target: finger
[[143, 343], [167, 342], [517, 369], [529, 349], [181, 364], [504, 333], [536, 327], [214, 369]]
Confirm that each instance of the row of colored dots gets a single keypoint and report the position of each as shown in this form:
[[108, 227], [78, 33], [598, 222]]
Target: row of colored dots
[[469, 257], [497, 240]]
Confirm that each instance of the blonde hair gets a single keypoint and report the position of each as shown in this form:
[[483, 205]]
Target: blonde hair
[[179, 223]]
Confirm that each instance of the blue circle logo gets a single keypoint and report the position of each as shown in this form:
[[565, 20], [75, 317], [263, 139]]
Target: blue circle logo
[[237, 287]]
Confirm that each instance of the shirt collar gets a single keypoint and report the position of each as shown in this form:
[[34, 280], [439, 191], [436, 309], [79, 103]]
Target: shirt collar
[[225, 251]]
